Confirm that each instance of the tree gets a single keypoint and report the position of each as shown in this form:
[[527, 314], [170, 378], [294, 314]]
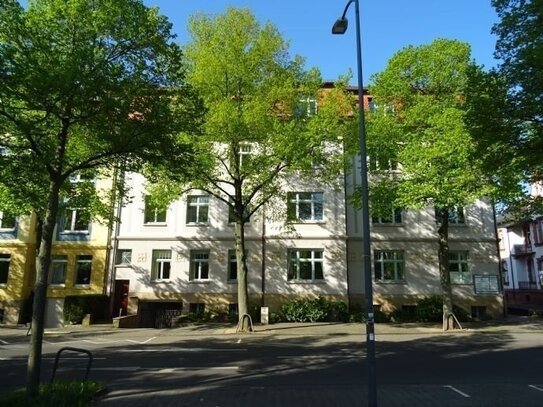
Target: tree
[[85, 86], [418, 125], [259, 127], [513, 92]]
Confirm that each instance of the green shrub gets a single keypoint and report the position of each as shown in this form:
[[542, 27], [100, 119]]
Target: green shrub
[[275, 317], [314, 310], [402, 315], [56, 394], [429, 309], [77, 306]]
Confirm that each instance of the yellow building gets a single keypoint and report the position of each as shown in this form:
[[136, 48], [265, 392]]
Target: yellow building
[[78, 264]]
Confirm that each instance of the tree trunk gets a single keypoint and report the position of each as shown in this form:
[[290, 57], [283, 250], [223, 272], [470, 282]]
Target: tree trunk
[[242, 272], [445, 277], [40, 291]]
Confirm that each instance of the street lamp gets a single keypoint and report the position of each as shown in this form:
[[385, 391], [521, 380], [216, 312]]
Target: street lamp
[[340, 27]]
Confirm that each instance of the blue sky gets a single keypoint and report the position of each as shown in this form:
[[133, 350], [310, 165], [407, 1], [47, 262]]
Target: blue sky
[[387, 27]]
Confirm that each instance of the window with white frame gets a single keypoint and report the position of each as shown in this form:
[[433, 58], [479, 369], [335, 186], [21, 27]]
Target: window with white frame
[[245, 151], [124, 256], [305, 264], [83, 268], [505, 272], [7, 221], [232, 265], [537, 227], [162, 262], [389, 265], [459, 267], [154, 213], [197, 209], [199, 265], [456, 215], [4, 268], [392, 216], [232, 215], [76, 221], [59, 266], [306, 107], [381, 163], [305, 206]]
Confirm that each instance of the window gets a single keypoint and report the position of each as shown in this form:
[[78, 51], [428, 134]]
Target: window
[[305, 264], [232, 266], [59, 264], [381, 163], [389, 265], [153, 212], [83, 267], [305, 206], [537, 227], [456, 216], [392, 217], [459, 267], [124, 256], [232, 216], [199, 265], [4, 268], [306, 107], [197, 209], [7, 221], [76, 221], [505, 272], [245, 151], [539, 261], [161, 264], [83, 176], [197, 308], [233, 310]]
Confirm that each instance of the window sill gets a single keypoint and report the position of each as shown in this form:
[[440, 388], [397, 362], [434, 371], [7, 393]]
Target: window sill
[[161, 281], [54, 285], [3, 285], [393, 282], [388, 225], [82, 286], [201, 281], [232, 281], [196, 224], [307, 222], [155, 224], [307, 281]]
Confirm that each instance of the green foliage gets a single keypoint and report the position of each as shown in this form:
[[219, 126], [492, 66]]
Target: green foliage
[[314, 310], [429, 309], [56, 394], [251, 92], [77, 306]]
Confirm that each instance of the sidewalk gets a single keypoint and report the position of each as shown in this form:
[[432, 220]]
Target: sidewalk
[[512, 325]]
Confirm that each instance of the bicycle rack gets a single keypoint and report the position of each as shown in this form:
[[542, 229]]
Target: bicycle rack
[[241, 321], [77, 350]]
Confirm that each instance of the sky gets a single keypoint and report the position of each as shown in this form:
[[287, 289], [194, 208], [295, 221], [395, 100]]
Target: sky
[[387, 26]]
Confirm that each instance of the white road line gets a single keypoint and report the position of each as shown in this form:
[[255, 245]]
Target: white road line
[[458, 391], [101, 342], [182, 369], [533, 386], [239, 340], [180, 350], [118, 369], [3, 342]]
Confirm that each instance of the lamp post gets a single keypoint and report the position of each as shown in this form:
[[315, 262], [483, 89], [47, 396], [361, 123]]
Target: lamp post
[[340, 27]]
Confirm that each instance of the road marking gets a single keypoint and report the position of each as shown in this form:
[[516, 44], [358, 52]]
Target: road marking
[[181, 350], [533, 386], [458, 391], [118, 369], [101, 342], [3, 342], [181, 369], [239, 340]]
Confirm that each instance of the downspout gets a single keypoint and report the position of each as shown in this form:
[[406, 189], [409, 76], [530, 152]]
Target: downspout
[[263, 254], [119, 178]]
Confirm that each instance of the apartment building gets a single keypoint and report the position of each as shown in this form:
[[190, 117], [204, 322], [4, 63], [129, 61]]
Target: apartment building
[[78, 265], [182, 258]]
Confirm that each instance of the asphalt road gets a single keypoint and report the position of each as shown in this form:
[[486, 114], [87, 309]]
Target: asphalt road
[[150, 367]]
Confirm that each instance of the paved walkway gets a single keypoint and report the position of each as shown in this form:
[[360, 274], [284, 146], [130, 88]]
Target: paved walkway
[[512, 324]]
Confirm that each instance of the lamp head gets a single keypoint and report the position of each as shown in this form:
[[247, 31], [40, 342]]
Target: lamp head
[[340, 26]]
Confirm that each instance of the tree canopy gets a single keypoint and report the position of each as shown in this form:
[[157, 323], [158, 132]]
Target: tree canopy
[[265, 120], [421, 149], [86, 86]]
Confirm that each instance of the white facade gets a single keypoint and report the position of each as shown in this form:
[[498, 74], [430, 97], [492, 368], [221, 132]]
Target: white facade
[[210, 242]]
